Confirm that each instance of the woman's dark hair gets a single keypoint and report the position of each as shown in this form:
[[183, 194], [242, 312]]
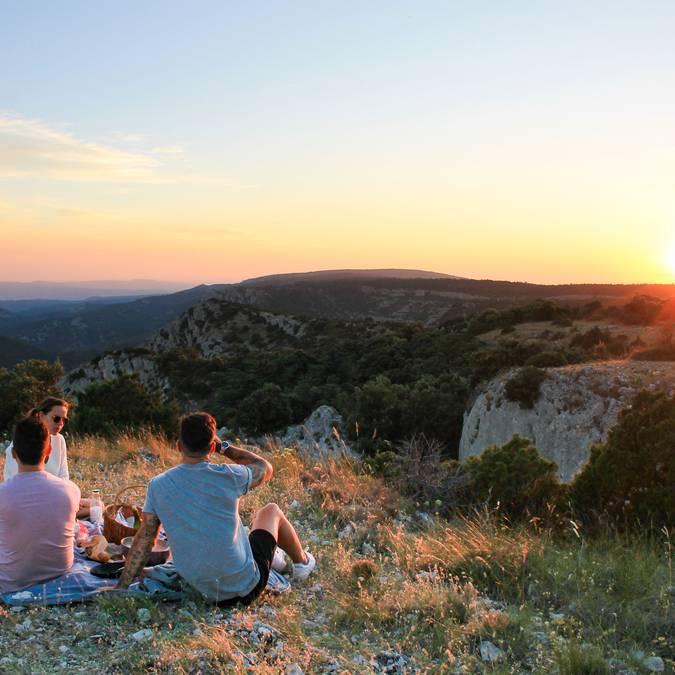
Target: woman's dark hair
[[46, 405], [197, 431], [30, 440]]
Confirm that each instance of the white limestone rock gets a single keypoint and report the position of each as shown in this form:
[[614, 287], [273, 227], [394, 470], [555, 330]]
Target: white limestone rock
[[321, 436], [576, 408]]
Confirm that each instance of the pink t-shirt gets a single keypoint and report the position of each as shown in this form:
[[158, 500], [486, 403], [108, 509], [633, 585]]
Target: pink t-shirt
[[37, 524]]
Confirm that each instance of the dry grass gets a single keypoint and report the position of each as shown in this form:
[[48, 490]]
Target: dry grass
[[385, 582]]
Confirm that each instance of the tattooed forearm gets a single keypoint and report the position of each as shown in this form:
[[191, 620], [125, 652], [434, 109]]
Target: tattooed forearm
[[260, 468], [140, 549], [261, 472]]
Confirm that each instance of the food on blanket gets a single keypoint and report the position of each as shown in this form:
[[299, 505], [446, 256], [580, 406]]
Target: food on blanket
[[95, 548], [159, 554], [98, 548]]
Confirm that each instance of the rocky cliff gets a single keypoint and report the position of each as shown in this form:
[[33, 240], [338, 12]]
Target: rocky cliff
[[111, 366], [576, 408], [213, 327], [217, 327]]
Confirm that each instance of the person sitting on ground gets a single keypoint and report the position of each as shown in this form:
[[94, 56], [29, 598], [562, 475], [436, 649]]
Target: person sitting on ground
[[37, 514], [54, 413], [198, 504]]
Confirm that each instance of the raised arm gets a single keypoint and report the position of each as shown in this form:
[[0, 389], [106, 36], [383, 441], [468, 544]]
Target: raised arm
[[260, 468], [140, 549]]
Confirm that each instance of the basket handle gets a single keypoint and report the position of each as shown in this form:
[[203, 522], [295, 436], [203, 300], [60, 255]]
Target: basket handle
[[129, 487]]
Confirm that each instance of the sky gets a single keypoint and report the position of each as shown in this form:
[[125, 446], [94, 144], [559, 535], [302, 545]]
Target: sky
[[209, 142]]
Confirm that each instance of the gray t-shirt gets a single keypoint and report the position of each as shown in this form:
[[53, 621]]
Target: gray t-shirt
[[198, 504]]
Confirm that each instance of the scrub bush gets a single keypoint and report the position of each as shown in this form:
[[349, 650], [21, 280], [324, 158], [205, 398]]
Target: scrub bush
[[264, 410], [630, 478], [524, 387], [515, 477], [24, 386], [113, 407]]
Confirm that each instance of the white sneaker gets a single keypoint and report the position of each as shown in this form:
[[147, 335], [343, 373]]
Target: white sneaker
[[302, 570], [279, 560]]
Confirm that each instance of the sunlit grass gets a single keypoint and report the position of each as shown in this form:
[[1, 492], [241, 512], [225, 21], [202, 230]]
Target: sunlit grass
[[385, 581]]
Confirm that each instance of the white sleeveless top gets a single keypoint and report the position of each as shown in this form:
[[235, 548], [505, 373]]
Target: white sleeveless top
[[57, 464]]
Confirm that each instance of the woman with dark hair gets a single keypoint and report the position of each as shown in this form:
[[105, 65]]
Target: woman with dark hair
[[54, 413]]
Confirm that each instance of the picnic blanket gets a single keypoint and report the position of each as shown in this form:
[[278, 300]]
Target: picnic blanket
[[79, 585], [164, 583], [76, 585]]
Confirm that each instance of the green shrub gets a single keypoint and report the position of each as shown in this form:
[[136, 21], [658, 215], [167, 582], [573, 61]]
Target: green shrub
[[515, 477], [539, 310], [524, 387], [434, 407], [507, 353], [383, 462], [430, 406], [23, 387], [109, 408], [378, 409], [600, 343], [265, 409], [630, 478]]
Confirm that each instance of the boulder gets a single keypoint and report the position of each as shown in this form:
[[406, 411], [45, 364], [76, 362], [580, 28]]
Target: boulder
[[321, 436], [490, 652]]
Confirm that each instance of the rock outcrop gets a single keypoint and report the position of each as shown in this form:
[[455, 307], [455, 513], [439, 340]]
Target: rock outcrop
[[576, 408], [216, 327], [213, 328], [112, 366], [321, 436]]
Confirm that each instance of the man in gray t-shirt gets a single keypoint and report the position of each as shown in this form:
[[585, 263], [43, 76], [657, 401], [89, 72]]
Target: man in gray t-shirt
[[198, 504]]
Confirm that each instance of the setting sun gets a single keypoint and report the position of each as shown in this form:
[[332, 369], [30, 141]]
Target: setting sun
[[670, 258]]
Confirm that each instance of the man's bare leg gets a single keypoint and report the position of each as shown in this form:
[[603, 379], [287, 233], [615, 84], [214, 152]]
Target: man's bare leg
[[272, 519]]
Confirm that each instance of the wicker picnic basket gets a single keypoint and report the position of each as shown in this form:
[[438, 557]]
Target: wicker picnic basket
[[114, 531]]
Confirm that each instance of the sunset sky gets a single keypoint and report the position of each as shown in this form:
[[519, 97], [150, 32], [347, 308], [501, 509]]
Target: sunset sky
[[214, 141]]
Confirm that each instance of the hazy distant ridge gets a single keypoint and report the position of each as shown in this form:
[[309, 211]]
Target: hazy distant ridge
[[344, 275], [81, 290]]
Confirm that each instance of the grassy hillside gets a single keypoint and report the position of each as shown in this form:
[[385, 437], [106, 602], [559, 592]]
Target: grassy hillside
[[398, 589]]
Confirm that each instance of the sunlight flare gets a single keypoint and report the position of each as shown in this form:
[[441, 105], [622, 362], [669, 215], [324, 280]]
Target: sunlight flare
[[670, 258]]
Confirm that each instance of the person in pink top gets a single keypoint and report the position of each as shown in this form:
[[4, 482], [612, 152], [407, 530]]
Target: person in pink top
[[37, 514]]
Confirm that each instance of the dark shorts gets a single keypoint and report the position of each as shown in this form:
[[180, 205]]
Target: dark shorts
[[263, 545]]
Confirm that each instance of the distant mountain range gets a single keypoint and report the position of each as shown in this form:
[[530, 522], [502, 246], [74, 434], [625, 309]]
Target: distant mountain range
[[77, 330], [48, 290]]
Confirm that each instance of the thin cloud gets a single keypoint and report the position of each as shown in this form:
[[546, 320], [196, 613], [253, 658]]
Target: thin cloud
[[31, 148], [128, 138], [167, 150]]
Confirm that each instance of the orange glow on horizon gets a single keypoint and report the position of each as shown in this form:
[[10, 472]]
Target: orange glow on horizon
[[670, 259]]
